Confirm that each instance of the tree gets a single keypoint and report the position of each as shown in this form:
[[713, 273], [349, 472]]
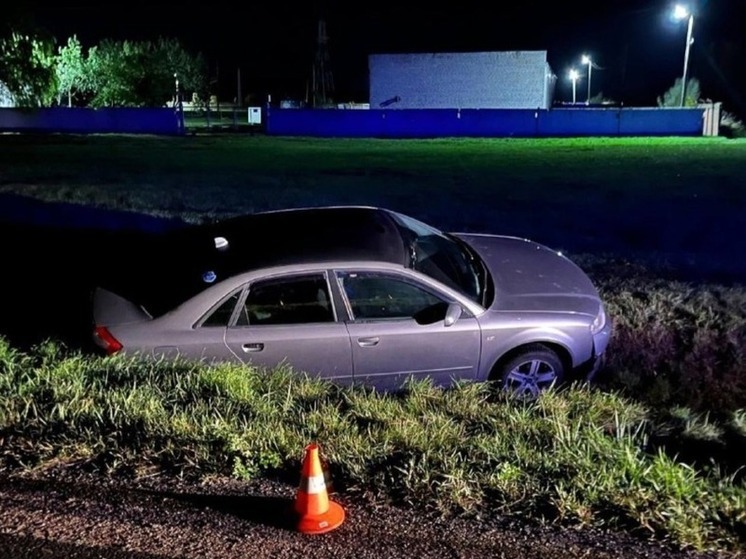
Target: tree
[[599, 99], [141, 74], [169, 58], [672, 97], [71, 70], [114, 69], [27, 67]]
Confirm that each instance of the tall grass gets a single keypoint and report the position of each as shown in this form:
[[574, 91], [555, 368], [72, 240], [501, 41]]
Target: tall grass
[[674, 343], [577, 457]]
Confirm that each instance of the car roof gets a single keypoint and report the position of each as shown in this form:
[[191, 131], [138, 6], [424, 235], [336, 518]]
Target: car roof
[[180, 264], [308, 234]]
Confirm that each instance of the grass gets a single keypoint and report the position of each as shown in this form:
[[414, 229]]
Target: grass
[[119, 171], [577, 458], [674, 343], [655, 222], [664, 200]]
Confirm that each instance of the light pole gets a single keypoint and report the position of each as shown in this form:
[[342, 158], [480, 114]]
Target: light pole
[[574, 78], [681, 12], [178, 106], [587, 60]]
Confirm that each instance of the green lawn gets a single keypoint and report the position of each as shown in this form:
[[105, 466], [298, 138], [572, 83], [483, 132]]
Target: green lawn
[[231, 173], [674, 202]]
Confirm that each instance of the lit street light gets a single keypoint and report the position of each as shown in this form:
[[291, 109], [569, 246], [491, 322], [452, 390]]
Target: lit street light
[[681, 12], [587, 60], [574, 77]]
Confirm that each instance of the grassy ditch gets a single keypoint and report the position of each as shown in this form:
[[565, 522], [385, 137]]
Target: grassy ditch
[[577, 457]]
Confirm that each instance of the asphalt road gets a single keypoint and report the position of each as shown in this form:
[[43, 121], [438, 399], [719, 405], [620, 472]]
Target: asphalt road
[[67, 514]]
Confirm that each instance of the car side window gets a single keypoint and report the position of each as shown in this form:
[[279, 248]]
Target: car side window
[[377, 296], [288, 300], [221, 316]]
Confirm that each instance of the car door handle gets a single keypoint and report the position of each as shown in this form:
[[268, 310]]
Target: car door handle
[[368, 342], [251, 348]]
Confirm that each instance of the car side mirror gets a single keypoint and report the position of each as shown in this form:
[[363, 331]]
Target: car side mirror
[[453, 313]]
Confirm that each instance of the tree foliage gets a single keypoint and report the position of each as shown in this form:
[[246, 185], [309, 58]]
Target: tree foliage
[[169, 58], [27, 67], [71, 70], [33, 72], [141, 74], [672, 97]]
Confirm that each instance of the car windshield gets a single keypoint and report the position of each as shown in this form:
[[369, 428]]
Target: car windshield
[[444, 257]]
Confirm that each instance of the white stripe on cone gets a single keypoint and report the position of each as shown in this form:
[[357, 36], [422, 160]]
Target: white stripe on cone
[[315, 484]]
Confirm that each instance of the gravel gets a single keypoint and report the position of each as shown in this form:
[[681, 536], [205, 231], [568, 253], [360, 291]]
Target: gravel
[[64, 513]]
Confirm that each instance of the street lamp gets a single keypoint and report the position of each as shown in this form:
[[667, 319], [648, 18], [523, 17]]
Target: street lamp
[[587, 60], [574, 78], [681, 12]]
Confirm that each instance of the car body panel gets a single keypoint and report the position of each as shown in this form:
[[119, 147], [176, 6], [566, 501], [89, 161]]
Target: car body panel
[[524, 268], [388, 352], [319, 349]]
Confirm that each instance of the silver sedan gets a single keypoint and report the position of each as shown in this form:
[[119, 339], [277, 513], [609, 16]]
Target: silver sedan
[[358, 295]]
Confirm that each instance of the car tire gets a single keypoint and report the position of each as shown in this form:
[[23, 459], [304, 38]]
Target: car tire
[[531, 371]]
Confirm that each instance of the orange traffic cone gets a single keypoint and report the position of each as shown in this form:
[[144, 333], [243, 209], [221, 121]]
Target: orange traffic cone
[[330, 490], [317, 514]]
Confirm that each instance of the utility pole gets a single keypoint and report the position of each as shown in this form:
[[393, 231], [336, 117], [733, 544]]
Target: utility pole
[[238, 87], [689, 26], [321, 74]]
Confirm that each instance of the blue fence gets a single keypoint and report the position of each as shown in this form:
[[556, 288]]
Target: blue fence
[[379, 123], [432, 123], [89, 121]]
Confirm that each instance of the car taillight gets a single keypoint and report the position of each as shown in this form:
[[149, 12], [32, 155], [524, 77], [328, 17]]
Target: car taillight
[[105, 340]]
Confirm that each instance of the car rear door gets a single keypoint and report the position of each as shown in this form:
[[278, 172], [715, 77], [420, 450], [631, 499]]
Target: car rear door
[[397, 331], [292, 319]]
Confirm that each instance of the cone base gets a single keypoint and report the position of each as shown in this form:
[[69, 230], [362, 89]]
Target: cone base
[[322, 523]]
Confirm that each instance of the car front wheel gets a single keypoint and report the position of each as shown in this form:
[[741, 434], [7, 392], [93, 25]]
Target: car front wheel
[[531, 372]]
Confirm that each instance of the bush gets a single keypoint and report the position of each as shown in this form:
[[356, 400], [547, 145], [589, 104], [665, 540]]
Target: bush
[[672, 97], [731, 126]]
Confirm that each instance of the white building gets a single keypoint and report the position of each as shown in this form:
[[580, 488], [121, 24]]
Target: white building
[[472, 80]]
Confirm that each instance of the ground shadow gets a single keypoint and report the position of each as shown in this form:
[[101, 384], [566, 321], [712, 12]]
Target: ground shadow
[[277, 512], [53, 257]]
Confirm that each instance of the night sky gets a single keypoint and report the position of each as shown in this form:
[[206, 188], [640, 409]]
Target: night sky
[[638, 47]]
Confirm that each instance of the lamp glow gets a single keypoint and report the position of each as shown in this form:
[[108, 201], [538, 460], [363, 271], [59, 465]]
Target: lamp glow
[[573, 75]]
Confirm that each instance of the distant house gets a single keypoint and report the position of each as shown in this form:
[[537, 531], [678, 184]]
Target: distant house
[[471, 80]]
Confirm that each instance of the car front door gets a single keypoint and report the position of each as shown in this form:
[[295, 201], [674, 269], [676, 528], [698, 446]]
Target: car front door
[[398, 331], [292, 320]]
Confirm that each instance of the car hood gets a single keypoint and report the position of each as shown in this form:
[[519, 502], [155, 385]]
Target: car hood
[[530, 276]]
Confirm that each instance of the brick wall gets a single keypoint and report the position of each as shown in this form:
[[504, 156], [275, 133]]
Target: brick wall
[[475, 80]]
